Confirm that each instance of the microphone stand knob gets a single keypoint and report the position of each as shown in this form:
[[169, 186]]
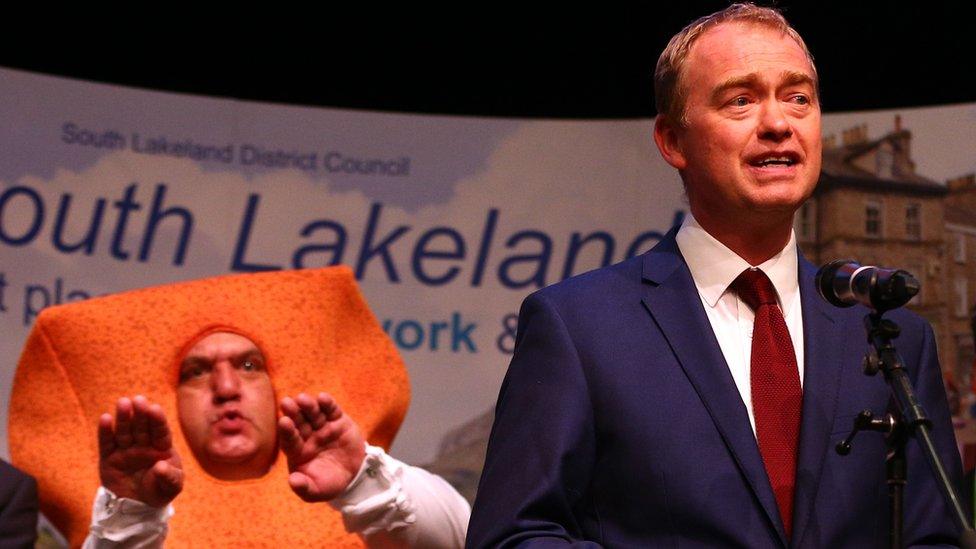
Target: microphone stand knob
[[871, 363]]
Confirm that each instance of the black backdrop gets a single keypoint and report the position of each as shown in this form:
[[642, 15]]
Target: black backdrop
[[481, 58]]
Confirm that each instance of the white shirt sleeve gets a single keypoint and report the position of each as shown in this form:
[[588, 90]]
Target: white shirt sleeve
[[124, 522], [388, 503], [392, 504]]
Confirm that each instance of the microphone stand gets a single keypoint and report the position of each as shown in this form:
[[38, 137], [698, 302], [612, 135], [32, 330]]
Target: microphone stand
[[908, 419]]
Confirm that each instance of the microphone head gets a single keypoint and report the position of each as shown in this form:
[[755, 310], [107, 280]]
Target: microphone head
[[845, 283], [892, 289], [833, 281]]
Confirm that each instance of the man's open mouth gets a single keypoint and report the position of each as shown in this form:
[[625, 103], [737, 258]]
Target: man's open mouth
[[784, 160], [779, 161]]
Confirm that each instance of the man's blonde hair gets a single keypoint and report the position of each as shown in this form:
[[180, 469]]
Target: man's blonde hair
[[669, 98]]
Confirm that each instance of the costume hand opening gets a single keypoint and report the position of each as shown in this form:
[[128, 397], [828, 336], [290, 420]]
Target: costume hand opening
[[324, 446], [136, 455]]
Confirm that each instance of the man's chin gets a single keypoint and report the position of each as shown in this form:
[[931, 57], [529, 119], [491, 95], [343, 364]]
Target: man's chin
[[232, 455], [236, 462], [785, 202]]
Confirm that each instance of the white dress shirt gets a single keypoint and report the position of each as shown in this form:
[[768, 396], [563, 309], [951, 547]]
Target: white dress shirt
[[713, 267]]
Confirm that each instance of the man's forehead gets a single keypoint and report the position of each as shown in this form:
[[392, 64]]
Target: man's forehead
[[221, 344], [728, 55], [744, 41]]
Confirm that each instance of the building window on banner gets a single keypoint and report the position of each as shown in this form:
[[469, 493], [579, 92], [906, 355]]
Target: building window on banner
[[913, 222], [960, 247], [962, 297], [872, 219]]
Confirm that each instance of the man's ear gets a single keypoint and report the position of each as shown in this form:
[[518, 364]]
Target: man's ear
[[668, 142]]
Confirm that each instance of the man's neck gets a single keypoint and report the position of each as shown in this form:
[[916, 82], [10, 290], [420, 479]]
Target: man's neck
[[754, 242]]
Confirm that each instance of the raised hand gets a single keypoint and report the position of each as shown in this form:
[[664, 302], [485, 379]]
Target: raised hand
[[324, 446], [136, 455]]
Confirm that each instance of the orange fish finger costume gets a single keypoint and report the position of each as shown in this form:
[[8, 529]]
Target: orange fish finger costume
[[316, 333]]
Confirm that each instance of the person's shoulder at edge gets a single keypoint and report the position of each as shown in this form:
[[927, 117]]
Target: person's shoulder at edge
[[18, 507], [6, 469], [14, 477]]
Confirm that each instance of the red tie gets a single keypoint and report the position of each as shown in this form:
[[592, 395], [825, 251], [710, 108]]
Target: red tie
[[776, 394]]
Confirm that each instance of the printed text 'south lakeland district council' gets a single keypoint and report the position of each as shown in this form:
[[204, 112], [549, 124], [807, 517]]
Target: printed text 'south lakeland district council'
[[248, 154]]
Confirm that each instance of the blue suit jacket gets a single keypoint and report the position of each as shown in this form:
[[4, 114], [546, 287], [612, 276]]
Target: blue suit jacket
[[619, 425]]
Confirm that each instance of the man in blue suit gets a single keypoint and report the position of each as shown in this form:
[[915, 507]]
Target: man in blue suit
[[692, 396]]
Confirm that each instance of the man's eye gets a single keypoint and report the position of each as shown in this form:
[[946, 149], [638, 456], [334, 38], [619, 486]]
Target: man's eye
[[800, 99], [739, 101], [250, 366], [192, 373]]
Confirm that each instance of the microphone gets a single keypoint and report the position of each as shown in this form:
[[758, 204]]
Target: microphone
[[845, 282]]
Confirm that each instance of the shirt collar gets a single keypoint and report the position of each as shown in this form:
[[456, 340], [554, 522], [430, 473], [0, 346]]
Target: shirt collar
[[713, 266]]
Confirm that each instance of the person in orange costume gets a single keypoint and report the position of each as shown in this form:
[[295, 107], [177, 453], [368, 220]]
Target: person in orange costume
[[315, 330]]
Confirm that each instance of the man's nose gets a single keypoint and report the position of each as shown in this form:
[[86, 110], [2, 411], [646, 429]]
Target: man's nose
[[773, 123], [225, 383]]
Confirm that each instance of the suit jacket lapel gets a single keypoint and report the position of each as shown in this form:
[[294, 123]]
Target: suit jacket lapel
[[821, 380], [670, 295]]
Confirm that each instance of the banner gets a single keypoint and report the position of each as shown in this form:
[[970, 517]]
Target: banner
[[448, 222]]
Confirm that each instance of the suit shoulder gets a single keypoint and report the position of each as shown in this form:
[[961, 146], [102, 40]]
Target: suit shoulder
[[598, 283]]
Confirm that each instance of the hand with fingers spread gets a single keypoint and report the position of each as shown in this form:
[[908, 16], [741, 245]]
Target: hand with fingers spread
[[136, 455], [324, 446]]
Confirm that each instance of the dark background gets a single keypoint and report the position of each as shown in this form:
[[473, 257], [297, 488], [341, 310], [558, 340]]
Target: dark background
[[482, 59]]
